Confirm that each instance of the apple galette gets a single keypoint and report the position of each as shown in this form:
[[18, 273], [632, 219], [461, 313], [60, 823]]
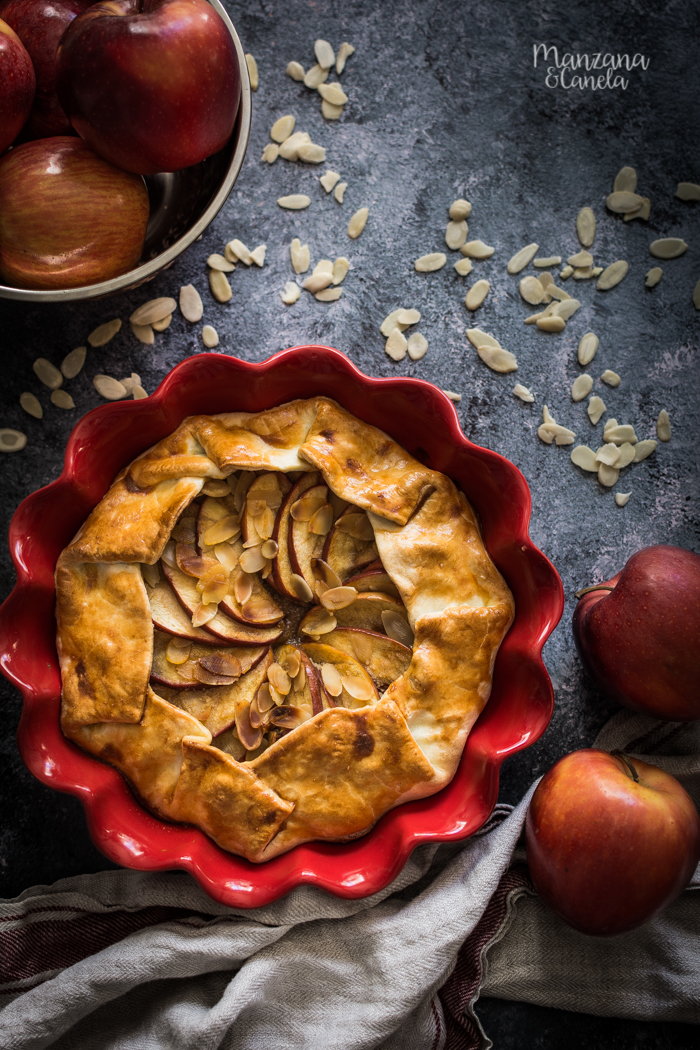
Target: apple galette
[[278, 625]]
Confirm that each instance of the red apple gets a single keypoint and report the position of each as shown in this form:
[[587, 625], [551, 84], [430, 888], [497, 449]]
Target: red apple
[[151, 86], [17, 85], [639, 633], [67, 217], [611, 841], [40, 24]]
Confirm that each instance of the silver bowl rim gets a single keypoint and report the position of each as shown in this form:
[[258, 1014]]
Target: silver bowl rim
[[145, 271]]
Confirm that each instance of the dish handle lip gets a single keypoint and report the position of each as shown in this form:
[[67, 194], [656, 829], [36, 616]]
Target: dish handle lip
[[515, 717]]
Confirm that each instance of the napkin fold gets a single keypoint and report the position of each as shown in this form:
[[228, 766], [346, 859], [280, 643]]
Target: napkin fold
[[147, 961]]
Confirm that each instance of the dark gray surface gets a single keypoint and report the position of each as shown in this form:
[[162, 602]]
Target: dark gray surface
[[444, 102]]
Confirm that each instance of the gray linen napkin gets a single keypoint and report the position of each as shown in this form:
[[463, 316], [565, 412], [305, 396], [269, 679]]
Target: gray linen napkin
[[148, 961]]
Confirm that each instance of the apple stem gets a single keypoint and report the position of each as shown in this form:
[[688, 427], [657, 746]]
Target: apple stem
[[595, 587], [628, 762]]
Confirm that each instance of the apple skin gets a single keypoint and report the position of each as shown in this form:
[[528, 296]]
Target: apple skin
[[67, 217], [17, 85], [40, 24], [152, 91], [606, 853], [641, 641]]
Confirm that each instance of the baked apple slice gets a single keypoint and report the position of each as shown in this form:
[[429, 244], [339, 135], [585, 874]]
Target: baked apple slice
[[169, 616], [311, 521], [181, 664], [221, 626], [215, 706], [382, 657], [344, 678], [263, 499], [374, 578], [350, 544], [366, 611], [282, 576], [307, 691]]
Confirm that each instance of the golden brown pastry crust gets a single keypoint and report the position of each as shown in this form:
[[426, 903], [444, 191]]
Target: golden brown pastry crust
[[335, 775]]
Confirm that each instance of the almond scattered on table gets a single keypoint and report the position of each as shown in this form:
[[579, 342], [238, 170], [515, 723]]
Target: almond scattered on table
[[417, 346], [476, 295], [73, 362], [329, 180], [610, 377], [477, 250], [282, 128], [668, 247], [154, 310], [643, 449], [291, 293], [210, 336], [497, 359], [47, 373], [688, 191], [339, 191], [31, 405], [453, 396], [315, 76], [301, 257], [332, 93], [12, 440], [596, 408], [328, 295], [252, 71], [160, 326], [585, 227], [236, 251], [587, 348], [396, 345], [219, 262], [431, 262], [109, 388], [456, 234], [341, 267], [549, 260], [531, 290], [191, 306], [143, 332], [270, 153], [550, 431], [523, 393], [104, 332], [460, 209], [621, 498], [258, 255], [325, 55], [521, 259], [663, 426], [294, 202], [220, 288], [344, 52], [295, 70], [357, 223], [653, 276], [464, 267], [62, 399], [581, 387], [585, 458], [625, 180]]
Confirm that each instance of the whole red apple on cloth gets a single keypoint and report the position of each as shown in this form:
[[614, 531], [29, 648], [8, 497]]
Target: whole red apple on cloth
[[17, 85], [611, 840], [639, 633], [40, 24], [67, 217], [151, 86]]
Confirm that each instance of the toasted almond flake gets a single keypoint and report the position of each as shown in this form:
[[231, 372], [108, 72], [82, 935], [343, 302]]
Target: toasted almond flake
[[191, 306], [154, 310], [294, 202], [282, 128], [621, 201], [668, 247], [621, 498], [315, 76], [339, 191], [477, 250], [279, 679], [317, 281], [607, 475], [453, 395], [62, 399], [587, 348], [663, 426], [73, 362], [291, 293], [300, 255], [609, 454], [331, 679], [258, 254], [252, 560], [143, 332], [612, 275], [408, 317], [104, 332], [696, 296], [688, 191], [521, 259], [619, 433], [311, 153], [396, 345], [109, 388], [397, 627], [340, 269], [357, 222], [289, 150], [344, 52], [566, 272], [12, 440], [220, 288], [338, 597], [626, 455], [464, 266], [585, 227], [460, 209], [643, 449], [551, 324], [478, 338], [329, 180], [160, 326], [596, 407], [566, 308], [523, 393], [295, 70], [332, 93], [325, 55], [47, 373], [431, 262], [31, 405], [218, 262], [210, 336], [358, 688], [625, 180], [581, 387], [584, 457], [549, 260], [653, 277], [640, 213], [497, 359], [456, 234], [531, 290], [391, 321], [476, 295], [270, 153], [329, 295], [252, 71], [417, 346], [610, 377], [583, 258], [269, 549]]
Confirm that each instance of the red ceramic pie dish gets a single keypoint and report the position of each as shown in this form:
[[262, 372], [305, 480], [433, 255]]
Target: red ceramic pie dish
[[422, 419]]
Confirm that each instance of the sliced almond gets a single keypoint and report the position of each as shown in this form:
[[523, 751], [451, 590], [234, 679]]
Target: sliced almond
[[397, 627], [109, 388], [62, 399], [566, 272], [332, 93], [608, 454], [456, 234], [453, 395], [340, 269], [596, 408], [463, 267], [243, 587], [258, 254], [585, 227], [653, 277], [584, 457], [252, 560], [311, 153], [270, 153], [610, 377], [325, 55], [688, 191], [220, 288], [668, 247], [583, 258], [294, 202], [521, 259], [391, 321], [587, 348], [143, 332], [329, 180], [323, 572], [104, 332], [476, 295], [523, 393], [551, 324], [417, 346], [396, 345], [331, 679], [643, 449], [619, 433], [329, 295], [338, 598], [203, 614], [321, 521], [625, 180], [210, 336], [252, 67], [300, 587], [282, 128], [191, 306], [295, 70], [663, 426], [626, 451], [317, 281], [497, 359], [324, 266], [289, 149], [460, 209], [608, 475], [478, 338], [339, 192], [31, 405], [549, 260], [357, 222], [344, 52], [269, 549], [581, 388], [319, 621], [566, 308], [222, 530], [358, 688], [431, 262], [477, 250], [621, 201], [279, 679], [640, 213], [73, 362], [301, 258], [316, 75], [47, 373], [291, 293], [621, 498], [531, 290], [12, 440], [160, 326], [582, 273], [612, 275], [556, 293], [178, 653], [154, 310]]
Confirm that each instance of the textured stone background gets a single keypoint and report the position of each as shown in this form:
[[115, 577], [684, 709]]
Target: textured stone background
[[444, 102]]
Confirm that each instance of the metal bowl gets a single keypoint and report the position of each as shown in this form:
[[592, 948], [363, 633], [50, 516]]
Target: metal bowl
[[183, 203]]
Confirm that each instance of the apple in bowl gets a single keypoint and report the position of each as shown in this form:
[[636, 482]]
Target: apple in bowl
[[17, 85]]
